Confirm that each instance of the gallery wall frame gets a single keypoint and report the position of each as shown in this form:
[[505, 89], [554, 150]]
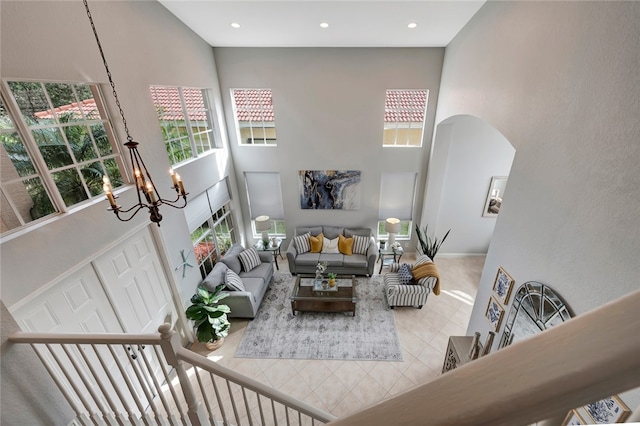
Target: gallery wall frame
[[573, 418], [606, 411], [502, 285], [494, 313]]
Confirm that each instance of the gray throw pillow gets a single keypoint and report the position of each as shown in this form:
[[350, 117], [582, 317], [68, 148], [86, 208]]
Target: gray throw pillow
[[216, 277], [232, 262]]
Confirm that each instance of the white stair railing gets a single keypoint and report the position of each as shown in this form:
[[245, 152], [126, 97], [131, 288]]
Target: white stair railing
[[591, 357], [149, 379]]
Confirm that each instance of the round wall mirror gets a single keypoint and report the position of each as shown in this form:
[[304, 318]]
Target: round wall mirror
[[535, 308]]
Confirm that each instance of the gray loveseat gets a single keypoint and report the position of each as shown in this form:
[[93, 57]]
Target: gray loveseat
[[243, 304], [356, 264]]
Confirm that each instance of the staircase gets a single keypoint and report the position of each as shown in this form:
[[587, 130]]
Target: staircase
[[139, 379]]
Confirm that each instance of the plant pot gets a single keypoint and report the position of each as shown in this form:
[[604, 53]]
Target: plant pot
[[212, 346], [332, 282]]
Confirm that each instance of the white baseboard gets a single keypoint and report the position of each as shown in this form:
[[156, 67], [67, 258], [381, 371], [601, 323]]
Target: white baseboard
[[455, 255]]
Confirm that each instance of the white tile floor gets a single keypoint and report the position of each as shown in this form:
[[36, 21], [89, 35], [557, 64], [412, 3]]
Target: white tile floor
[[344, 387]]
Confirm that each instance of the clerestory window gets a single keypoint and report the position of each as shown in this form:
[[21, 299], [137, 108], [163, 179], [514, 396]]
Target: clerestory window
[[255, 121], [404, 117], [56, 145], [186, 120]]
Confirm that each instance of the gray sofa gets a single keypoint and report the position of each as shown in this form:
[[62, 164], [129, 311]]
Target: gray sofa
[[355, 264], [243, 304]]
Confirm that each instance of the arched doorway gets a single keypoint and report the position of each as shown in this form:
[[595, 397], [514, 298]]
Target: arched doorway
[[466, 154]]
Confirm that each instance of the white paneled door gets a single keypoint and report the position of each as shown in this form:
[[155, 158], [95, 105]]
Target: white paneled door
[[134, 279], [122, 290]]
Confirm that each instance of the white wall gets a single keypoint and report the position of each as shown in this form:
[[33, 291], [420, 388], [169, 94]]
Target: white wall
[[144, 44], [471, 154], [329, 108], [560, 81]]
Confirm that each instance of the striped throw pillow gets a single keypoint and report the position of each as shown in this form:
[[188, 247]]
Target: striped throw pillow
[[360, 244], [249, 259], [234, 282], [421, 260], [302, 243]]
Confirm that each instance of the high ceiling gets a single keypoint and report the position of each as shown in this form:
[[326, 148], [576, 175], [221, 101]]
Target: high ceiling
[[296, 23]]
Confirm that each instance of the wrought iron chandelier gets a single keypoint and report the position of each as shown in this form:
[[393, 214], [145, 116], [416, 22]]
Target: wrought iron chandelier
[[144, 184]]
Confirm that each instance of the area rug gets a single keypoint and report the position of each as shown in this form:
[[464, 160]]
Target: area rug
[[276, 333]]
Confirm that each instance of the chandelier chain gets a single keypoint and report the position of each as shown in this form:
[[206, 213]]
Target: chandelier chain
[[106, 66]]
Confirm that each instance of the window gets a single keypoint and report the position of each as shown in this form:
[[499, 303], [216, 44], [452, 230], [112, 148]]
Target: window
[[212, 239], [210, 220], [265, 198], [57, 144], [404, 116], [253, 110], [396, 200], [185, 116]]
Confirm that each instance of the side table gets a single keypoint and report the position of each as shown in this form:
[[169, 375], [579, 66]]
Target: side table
[[389, 256], [273, 248]]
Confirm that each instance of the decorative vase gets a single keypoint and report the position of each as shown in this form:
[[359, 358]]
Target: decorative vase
[[332, 282], [212, 346]]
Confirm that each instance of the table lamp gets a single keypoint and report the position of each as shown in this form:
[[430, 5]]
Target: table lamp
[[392, 226], [263, 224]]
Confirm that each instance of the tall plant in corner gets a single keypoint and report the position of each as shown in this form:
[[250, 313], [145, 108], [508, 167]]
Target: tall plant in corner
[[428, 246]]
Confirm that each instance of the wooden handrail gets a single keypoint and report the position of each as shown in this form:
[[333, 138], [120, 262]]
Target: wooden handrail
[[582, 360], [85, 338]]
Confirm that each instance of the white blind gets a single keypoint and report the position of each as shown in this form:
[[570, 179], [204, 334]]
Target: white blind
[[218, 195], [265, 194], [203, 206], [197, 211], [396, 195]]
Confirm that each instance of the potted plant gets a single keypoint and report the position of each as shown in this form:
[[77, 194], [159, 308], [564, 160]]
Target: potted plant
[[209, 317], [332, 279], [428, 246]]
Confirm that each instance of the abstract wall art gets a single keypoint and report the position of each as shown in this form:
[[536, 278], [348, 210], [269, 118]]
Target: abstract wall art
[[329, 189]]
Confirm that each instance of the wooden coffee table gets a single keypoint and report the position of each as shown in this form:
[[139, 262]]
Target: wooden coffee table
[[306, 296]]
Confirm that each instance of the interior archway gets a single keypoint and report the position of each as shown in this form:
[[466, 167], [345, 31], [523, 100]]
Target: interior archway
[[466, 153]]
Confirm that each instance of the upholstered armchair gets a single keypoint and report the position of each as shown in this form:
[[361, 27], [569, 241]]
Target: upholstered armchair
[[415, 293]]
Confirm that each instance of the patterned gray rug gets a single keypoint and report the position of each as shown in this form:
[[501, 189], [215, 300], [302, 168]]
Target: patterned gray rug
[[276, 333]]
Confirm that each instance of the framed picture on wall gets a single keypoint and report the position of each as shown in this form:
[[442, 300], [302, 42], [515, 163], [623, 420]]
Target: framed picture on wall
[[502, 285], [494, 313], [493, 201], [574, 418], [607, 411]]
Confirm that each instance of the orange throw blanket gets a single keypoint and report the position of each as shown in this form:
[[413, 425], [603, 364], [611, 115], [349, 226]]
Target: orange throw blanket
[[428, 270]]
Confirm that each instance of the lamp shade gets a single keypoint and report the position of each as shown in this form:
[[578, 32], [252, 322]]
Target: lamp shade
[[263, 223], [392, 225]]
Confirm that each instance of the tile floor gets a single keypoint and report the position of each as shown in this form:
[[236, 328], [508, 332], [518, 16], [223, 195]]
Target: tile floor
[[344, 387]]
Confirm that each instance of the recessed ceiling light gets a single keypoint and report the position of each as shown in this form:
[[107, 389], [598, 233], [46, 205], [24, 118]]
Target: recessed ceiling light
[[412, 25], [324, 25], [235, 25]]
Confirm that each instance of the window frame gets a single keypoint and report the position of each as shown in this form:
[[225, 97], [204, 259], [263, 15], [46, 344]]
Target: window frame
[[213, 222], [211, 118], [25, 132], [274, 231], [396, 124], [382, 234], [267, 139]]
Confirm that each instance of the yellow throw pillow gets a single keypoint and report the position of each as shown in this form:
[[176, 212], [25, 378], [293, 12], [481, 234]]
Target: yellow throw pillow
[[316, 243], [345, 245]]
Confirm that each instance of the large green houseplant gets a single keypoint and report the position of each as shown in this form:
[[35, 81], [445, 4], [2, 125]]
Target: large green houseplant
[[209, 316], [428, 246]]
